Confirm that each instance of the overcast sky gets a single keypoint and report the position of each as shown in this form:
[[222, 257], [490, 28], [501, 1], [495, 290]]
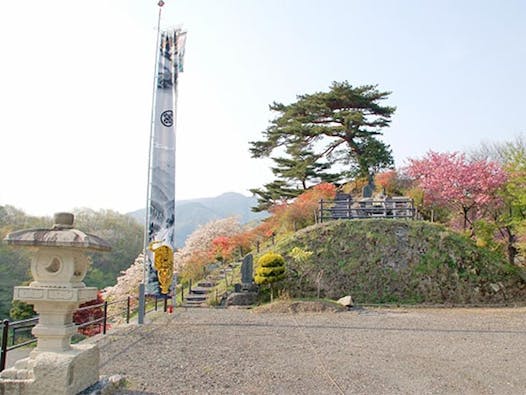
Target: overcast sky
[[76, 82]]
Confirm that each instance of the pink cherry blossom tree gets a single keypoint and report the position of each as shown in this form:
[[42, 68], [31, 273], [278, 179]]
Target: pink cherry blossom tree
[[450, 180]]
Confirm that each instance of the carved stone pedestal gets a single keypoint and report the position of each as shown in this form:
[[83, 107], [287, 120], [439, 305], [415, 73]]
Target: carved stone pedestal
[[55, 307]]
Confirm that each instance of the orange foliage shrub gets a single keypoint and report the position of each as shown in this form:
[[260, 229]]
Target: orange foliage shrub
[[243, 241], [387, 180], [222, 248], [194, 266], [299, 213]]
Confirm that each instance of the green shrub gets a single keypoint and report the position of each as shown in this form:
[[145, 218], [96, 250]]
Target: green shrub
[[21, 311], [266, 273], [300, 255], [270, 269]]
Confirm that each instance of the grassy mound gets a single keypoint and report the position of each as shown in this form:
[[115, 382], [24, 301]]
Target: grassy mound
[[396, 261]]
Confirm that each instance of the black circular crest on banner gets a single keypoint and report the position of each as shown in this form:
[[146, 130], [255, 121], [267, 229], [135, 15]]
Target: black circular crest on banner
[[167, 118]]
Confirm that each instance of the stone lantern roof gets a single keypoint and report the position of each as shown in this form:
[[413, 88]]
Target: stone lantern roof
[[62, 234]]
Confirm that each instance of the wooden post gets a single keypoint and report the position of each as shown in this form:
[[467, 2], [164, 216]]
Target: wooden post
[[105, 320], [128, 310]]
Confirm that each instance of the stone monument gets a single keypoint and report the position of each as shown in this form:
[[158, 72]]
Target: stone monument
[[247, 271], [245, 293], [58, 267], [368, 190]]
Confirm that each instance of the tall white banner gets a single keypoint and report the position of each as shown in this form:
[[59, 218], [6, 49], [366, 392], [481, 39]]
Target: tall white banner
[[161, 196]]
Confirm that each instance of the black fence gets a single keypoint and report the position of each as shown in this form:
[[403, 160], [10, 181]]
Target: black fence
[[17, 334], [396, 207]]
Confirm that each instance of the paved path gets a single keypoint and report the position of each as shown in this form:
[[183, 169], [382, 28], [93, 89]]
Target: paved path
[[16, 354], [395, 351]]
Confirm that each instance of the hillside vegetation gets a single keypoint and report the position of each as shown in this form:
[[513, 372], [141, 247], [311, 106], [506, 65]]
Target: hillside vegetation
[[396, 261]]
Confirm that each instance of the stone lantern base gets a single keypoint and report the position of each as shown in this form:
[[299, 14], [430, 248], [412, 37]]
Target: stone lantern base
[[65, 373], [54, 366]]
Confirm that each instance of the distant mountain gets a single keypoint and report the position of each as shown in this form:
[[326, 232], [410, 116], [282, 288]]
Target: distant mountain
[[189, 214]]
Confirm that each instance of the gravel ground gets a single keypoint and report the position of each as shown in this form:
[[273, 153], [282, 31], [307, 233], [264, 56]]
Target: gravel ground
[[367, 351]]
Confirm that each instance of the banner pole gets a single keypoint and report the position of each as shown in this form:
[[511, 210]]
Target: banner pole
[[150, 145]]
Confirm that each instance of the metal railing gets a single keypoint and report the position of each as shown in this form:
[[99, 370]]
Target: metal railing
[[396, 207], [155, 304], [11, 330]]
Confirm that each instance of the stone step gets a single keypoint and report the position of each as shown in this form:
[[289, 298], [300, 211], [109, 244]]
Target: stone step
[[194, 305], [200, 290], [205, 284], [194, 301], [195, 297]]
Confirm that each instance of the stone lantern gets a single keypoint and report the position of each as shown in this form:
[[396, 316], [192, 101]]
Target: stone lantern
[[58, 266]]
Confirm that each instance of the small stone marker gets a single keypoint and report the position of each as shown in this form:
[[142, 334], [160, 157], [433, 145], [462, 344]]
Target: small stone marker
[[368, 190]]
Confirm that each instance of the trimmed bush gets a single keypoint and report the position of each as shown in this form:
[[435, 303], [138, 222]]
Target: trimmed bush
[[270, 269]]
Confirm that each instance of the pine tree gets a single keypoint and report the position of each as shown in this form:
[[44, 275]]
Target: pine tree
[[294, 176], [326, 130]]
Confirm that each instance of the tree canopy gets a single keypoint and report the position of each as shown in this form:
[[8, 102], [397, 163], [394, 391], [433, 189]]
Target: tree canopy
[[295, 174], [510, 217], [449, 179], [325, 136]]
